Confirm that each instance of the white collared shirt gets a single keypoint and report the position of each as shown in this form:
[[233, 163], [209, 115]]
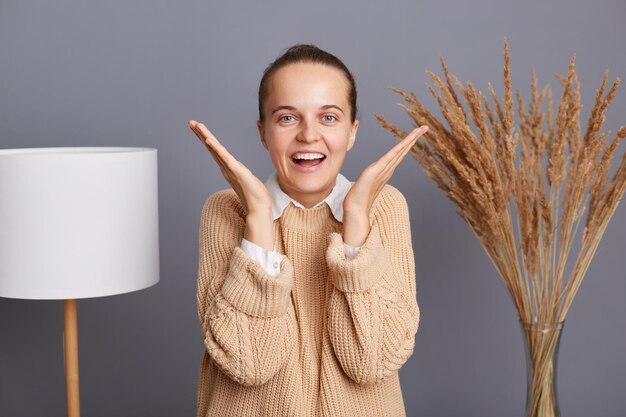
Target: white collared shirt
[[270, 260]]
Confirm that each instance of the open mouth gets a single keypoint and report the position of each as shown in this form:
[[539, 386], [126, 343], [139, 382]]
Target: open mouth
[[308, 159]]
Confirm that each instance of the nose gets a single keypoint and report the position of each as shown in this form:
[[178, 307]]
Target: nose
[[308, 132]]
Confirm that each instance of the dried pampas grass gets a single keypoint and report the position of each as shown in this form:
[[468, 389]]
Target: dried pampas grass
[[525, 191]]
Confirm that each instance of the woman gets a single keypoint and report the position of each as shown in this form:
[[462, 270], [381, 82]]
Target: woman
[[306, 284]]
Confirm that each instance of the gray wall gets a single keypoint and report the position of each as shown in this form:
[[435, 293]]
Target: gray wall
[[131, 73]]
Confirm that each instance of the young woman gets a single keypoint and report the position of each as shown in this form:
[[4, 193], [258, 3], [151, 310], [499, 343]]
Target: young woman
[[306, 284]]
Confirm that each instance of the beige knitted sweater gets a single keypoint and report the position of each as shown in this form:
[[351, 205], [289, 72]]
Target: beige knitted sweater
[[324, 338]]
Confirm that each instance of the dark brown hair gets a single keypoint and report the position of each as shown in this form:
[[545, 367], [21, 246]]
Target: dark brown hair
[[307, 53]]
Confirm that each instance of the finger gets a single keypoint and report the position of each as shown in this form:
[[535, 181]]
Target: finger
[[208, 145], [393, 164], [390, 166], [202, 133], [405, 143], [233, 171], [219, 149], [206, 142], [207, 139], [415, 134], [196, 131], [400, 156], [219, 152], [395, 155], [223, 167], [409, 142], [226, 171]]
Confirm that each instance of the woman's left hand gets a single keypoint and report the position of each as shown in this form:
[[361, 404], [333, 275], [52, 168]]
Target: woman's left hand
[[360, 198]]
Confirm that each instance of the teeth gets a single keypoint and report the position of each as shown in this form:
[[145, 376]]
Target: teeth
[[308, 156]]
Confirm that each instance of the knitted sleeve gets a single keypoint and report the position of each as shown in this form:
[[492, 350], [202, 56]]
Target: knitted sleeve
[[373, 313], [247, 317]]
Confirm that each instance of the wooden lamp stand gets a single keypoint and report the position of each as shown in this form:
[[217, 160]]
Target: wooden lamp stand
[[70, 339]]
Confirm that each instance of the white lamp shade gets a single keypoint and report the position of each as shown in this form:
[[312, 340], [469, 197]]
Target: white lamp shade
[[78, 222]]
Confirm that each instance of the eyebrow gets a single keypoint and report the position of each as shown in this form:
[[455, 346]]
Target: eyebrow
[[291, 108], [332, 106]]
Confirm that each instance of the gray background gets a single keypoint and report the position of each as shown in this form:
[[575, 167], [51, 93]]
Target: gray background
[[131, 73]]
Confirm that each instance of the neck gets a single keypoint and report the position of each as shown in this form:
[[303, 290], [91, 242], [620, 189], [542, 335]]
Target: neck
[[308, 200]]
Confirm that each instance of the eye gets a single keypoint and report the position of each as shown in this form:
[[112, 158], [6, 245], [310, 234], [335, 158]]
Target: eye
[[286, 118], [329, 118]]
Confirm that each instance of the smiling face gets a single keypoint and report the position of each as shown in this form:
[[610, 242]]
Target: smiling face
[[307, 129]]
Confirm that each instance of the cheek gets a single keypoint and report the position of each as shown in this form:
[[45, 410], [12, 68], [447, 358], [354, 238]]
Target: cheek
[[339, 144], [277, 149]]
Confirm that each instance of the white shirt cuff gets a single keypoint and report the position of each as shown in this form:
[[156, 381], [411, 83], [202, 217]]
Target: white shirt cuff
[[350, 251], [269, 260]]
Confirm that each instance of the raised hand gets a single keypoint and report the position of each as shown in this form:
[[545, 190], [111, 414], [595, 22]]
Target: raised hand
[[358, 202], [250, 190]]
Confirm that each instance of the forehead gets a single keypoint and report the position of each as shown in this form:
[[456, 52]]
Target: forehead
[[308, 83]]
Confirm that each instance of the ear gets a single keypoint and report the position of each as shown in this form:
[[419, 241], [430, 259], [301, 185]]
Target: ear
[[259, 125], [353, 130]]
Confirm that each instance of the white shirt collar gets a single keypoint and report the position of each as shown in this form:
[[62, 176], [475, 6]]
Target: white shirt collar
[[280, 200]]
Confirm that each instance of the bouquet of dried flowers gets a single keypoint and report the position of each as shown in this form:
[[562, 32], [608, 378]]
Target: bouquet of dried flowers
[[526, 192]]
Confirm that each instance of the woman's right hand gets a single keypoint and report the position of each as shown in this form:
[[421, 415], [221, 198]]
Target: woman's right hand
[[250, 190]]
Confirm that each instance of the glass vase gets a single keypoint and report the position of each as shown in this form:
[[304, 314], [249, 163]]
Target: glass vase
[[542, 349]]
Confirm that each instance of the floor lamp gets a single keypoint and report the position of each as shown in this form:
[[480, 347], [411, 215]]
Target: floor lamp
[[77, 223]]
